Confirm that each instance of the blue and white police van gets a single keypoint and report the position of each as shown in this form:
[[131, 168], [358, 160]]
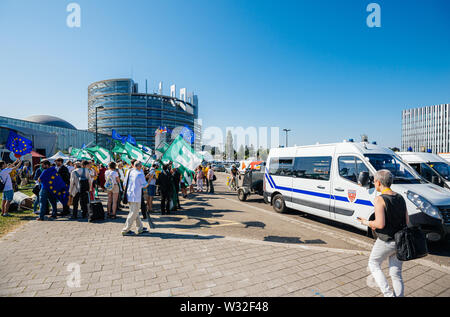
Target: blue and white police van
[[335, 181]]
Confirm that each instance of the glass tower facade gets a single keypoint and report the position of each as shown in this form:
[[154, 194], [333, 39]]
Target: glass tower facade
[[117, 104], [426, 128]]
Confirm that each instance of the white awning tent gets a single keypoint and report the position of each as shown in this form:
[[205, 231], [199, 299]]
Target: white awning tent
[[57, 156]]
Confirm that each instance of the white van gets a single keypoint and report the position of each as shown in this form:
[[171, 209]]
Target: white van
[[430, 166], [335, 181], [445, 156]]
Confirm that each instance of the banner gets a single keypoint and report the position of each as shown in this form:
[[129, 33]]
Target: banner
[[53, 183], [125, 158], [100, 154], [116, 136], [182, 153], [80, 154], [163, 147], [18, 144], [138, 154], [119, 148]]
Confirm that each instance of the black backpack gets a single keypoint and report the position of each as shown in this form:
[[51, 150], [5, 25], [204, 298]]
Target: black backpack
[[84, 182]]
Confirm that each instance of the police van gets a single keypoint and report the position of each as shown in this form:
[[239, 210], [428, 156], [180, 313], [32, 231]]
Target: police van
[[430, 166], [335, 181]]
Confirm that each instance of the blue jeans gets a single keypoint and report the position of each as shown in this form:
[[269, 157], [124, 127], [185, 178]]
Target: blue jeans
[[36, 202], [44, 198]]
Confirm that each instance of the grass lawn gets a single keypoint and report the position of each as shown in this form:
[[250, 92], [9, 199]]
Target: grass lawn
[[16, 219]]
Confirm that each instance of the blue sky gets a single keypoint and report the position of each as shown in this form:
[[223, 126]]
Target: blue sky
[[311, 66]]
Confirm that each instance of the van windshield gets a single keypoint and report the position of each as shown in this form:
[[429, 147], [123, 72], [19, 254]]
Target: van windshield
[[442, 168], [402, 173]]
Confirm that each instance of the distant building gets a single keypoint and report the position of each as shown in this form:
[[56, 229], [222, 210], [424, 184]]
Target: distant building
[[49, 134], [120, 106], [426, 128]]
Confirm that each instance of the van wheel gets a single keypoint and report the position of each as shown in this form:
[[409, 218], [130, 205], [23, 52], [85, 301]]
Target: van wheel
[[278, 204], [241, 195]]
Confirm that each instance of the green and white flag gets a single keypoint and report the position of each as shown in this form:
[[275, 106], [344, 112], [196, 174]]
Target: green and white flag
[[182, 153], [144, 149], [125, 158], [119, 148], [138, 154], [80, 154], [102, 155]]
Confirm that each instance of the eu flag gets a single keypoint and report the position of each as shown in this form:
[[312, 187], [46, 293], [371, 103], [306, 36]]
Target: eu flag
[[18, 144], [54, 184]]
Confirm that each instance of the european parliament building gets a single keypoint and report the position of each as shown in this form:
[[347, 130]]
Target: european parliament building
[[49, 134], [117, 104], [426, 128]]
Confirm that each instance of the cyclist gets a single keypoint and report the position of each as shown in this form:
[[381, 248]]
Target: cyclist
[[234, 172]]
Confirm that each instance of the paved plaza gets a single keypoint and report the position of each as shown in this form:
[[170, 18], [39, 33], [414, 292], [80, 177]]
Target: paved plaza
[[44, 258]]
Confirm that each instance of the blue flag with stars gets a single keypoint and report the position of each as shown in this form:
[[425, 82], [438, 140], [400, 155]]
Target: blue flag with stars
[[54, 184], [18, 144]]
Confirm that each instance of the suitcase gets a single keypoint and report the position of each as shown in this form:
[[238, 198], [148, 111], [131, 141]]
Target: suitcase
[[96, 211]]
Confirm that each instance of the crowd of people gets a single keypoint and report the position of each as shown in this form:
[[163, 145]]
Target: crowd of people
[[131, 184]]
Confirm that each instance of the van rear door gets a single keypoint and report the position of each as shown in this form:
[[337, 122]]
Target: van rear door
[[279, 177]]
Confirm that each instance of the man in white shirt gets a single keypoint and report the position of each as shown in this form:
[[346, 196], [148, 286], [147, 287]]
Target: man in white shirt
[[134, 183], [5, 178], [70, 166]]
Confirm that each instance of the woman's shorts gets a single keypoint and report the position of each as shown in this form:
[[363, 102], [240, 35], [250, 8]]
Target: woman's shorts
[[8, 195], [151, 190]]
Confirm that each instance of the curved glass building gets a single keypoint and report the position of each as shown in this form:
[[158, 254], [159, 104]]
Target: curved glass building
[[117, 104]]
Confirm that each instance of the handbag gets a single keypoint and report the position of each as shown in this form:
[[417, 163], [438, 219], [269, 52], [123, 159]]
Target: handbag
[[214, 178], [410, 244], [36, 189]]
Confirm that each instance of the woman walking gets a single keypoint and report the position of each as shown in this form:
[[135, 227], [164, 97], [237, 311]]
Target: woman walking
[[200, 177], [112, 183], [391, 216]]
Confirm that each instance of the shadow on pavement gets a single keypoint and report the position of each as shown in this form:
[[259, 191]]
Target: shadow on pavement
[[255, 224], [162, 235], [295, 240]]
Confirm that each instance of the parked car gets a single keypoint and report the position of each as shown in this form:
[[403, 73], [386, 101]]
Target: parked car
[[219, 167]]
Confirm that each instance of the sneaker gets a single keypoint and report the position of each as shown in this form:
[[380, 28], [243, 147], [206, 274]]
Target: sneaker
[[144, 230], [127, 233]]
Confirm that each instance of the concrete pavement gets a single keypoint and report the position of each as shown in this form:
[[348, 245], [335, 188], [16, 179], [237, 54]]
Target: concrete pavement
[[76, 258]]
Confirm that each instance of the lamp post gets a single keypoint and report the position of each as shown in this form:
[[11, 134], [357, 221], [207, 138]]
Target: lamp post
[[96, 132], [286, 130]]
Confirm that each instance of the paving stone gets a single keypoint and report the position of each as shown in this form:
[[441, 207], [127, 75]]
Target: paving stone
[[155, 266]]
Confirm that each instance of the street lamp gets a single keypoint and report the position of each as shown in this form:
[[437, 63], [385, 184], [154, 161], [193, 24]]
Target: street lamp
[[96, 132], [286, 130]]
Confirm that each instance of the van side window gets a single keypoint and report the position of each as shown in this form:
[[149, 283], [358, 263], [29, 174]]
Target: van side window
[[281, 166], [350, 167], [313, 167]]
